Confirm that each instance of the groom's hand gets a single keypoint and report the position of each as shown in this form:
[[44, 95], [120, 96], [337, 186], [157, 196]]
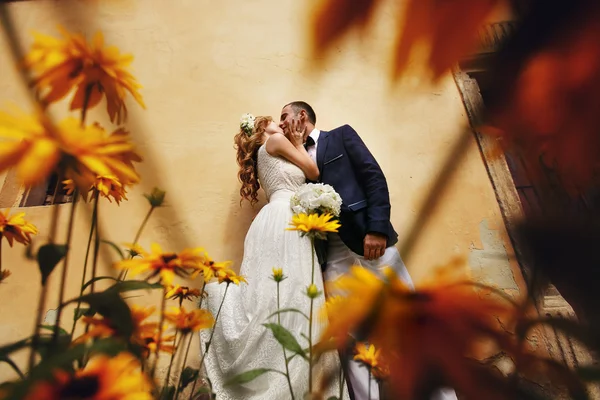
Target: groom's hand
[[375, 244]]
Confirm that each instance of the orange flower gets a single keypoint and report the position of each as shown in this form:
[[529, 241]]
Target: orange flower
[[15, 228], [107, 186], [432, 329], [144, 333], [182, 293], [192, 321], [163, 265], [149, 341], [103, 378], [95, 71]]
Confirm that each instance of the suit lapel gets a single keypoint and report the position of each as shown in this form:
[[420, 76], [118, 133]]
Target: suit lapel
[[321, 148]]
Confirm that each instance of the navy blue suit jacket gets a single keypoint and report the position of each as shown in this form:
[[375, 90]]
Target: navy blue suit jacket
[[346, 164]]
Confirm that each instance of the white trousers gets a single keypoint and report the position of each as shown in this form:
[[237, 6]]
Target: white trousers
[[339, 260]]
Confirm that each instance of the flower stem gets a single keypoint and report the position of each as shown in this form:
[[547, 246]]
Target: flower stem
[[215, 325], [123, 274], [342, 379], [310, 319], [63, 279], [369, 383], [202, 294], [287, 368], [160, 331], [96, 241], [38, 320], [177, 345], [185, 357], [85, 260], [43, 293], [201, 365], [0, 254]]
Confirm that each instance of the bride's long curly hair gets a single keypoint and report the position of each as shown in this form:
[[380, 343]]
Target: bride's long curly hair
[[247, 150]]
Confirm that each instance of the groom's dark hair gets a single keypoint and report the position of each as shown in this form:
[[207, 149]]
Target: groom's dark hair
[[302, 105]]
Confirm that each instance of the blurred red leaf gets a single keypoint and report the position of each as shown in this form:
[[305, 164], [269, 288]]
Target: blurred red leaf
[[553, 112], [336, 17], [451, 28]]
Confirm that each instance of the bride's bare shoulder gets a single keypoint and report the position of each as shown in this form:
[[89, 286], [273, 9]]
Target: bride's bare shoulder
[[274, 142]]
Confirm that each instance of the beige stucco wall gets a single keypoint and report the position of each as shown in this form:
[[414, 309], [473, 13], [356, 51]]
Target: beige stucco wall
[[202, 65]]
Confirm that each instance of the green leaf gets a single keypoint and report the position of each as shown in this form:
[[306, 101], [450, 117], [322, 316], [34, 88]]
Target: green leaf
[[96, 279], [202, 390], [188, 376], [249, 376], [9, 348], [115, 247], [286, 339], [110, 305], [81, 312], [126, 286], [333, 398], [61, 331], [12, 365], [48, 257], [156, 198], [289, 310]]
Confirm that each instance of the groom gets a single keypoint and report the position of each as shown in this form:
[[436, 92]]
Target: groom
[[366, 236]]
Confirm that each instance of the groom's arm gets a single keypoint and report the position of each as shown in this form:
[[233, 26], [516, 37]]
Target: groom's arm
[[372, 179]]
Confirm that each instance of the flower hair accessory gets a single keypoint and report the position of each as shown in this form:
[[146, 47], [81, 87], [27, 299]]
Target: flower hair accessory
[[247, 123]]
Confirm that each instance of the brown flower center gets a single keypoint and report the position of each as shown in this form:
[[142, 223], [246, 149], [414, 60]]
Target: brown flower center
[[80, 388], [167, 258]]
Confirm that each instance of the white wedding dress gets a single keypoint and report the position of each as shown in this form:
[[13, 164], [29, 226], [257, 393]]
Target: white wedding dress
[[241, 342]]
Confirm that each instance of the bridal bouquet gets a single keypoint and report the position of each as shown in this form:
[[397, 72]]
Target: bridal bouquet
[[316, 198]]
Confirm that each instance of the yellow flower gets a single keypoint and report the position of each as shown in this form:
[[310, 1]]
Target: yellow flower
[[278, 275], [28, 145], [103, 378], [97, 154], [134, 249], [4, 274], [314, 225], [92, 69], [35, 148], [208, 267], [181, 293], [372, 359], [107, 186], [312, 291], [431, 329], [228, 276], [163, 265], [193, 321], [15, 228]]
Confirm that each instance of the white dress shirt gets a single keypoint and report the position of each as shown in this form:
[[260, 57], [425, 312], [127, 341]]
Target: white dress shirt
[[312, 150]]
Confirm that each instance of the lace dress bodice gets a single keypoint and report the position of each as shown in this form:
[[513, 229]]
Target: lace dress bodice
[[276, 173]]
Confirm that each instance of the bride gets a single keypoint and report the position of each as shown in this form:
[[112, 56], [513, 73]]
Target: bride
[[241, 343]]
